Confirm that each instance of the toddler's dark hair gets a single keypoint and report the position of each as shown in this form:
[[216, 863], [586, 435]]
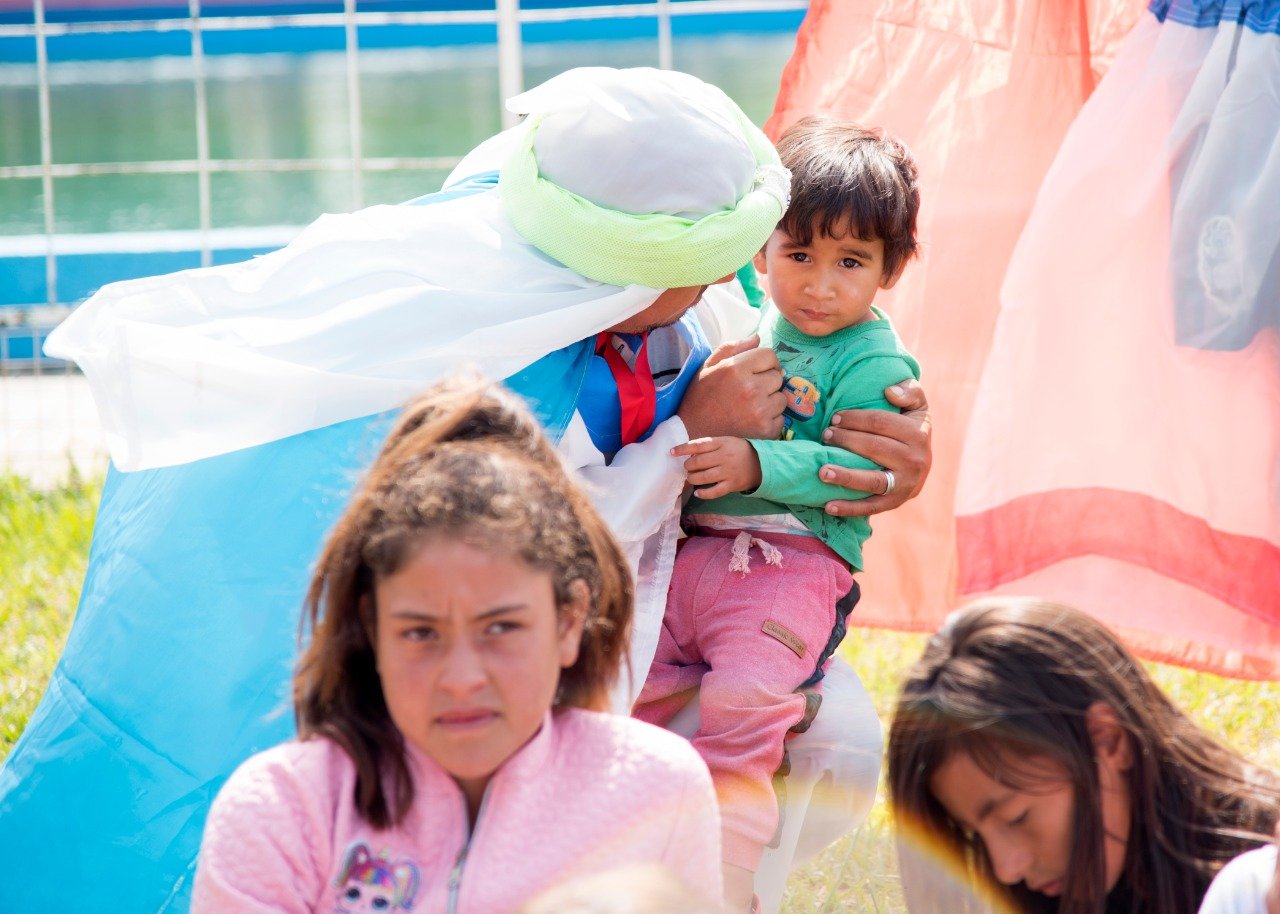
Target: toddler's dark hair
[[850, 178]]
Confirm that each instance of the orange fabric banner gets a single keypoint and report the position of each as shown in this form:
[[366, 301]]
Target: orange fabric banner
[[984, 93], [1123, 448]]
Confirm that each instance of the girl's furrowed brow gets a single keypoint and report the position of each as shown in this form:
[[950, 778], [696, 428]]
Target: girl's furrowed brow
[[419, 615], [412, 614], [503, 610]]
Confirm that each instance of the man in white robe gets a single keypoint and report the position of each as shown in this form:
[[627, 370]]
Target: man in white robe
[[240, 401]]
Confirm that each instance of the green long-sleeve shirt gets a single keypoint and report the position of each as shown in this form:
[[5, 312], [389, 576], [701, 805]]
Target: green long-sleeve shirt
[[848, 369]]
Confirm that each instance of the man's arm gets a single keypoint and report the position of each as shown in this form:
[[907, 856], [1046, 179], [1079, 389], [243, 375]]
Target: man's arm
[[787, 472], [899, 442], [738, 393]]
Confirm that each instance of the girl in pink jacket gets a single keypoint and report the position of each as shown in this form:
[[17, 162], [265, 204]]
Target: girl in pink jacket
[[468, 615]]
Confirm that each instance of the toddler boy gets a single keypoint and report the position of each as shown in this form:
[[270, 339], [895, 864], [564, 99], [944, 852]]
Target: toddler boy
[[750, 634]]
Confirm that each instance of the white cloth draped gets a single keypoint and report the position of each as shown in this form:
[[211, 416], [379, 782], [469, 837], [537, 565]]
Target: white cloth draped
[[352, 318], [1241, 886]]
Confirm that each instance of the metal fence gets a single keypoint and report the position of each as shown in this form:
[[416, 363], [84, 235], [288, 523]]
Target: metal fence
[[46, 416]]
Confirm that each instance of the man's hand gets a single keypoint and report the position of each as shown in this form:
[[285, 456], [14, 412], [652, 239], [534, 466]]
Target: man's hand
[[738, 392], [899, 442], [718, 466]]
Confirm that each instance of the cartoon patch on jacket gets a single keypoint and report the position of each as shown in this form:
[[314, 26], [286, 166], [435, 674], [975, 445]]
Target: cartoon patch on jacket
[[802, 403], [374, 885]]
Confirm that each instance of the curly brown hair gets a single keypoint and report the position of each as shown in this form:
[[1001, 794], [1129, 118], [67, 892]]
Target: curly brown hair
[[465, 460], [1011, 679]]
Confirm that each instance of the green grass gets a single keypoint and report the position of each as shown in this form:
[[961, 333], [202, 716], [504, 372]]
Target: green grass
[[859, 873], [44, 545]]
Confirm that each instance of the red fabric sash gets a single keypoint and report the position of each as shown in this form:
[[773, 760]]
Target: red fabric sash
[[637, 395]]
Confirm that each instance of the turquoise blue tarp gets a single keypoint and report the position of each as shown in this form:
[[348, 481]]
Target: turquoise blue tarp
[[178, 664]]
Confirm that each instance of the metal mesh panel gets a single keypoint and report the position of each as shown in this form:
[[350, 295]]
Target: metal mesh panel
[[46, 415]]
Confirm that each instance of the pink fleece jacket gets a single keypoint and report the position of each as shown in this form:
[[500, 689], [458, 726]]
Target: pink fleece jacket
[[588, 793]]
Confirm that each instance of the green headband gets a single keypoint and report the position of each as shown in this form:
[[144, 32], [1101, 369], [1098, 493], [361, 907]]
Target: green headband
[[655, 249]]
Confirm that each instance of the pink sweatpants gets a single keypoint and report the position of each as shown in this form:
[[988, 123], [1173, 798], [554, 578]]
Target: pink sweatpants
[[748, 640]]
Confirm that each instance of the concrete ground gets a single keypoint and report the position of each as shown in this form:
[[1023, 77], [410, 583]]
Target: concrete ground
[[48, 422]]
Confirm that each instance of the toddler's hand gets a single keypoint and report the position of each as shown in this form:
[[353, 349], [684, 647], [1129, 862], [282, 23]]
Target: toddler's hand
[[718, 466]]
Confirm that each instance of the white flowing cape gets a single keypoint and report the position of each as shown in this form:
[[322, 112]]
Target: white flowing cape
[[356, 315]]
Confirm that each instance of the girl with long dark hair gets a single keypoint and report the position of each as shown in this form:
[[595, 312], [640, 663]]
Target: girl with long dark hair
[[1032, 752]]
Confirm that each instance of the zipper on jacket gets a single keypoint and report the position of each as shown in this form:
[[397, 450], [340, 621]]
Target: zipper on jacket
[[455, 874], [455, 879]]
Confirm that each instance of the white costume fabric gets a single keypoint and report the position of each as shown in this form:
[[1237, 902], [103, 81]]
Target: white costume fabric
[[1241, 886], [364, 309], [351, 319]]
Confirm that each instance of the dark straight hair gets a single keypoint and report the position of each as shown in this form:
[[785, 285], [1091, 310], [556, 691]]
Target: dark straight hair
[[1008, 680]]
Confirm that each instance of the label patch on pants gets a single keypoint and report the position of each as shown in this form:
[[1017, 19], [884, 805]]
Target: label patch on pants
[[785, 635]]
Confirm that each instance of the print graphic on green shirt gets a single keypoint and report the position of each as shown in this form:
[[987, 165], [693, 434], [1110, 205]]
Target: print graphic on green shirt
[[802, 403]]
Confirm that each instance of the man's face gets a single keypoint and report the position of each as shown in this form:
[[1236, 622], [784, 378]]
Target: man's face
[[669, 307]]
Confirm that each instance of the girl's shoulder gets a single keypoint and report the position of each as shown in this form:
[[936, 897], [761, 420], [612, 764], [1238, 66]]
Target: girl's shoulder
[[628, 745], [274, 827], [288, 772], [298, 755]]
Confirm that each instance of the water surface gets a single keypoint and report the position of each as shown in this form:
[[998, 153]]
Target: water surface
[[415, 103]]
